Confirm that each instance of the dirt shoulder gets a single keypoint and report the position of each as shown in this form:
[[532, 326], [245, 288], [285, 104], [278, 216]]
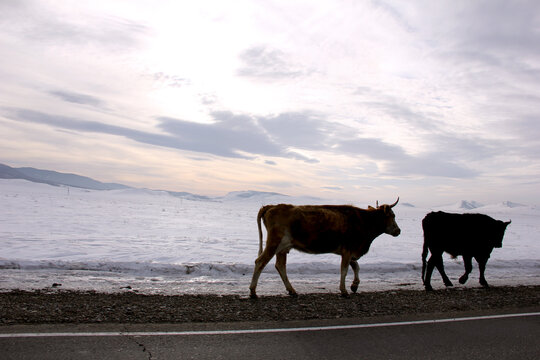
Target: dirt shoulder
[[56, 307]]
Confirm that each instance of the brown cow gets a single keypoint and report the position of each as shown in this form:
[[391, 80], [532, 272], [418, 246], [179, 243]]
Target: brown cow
[[317, 229]]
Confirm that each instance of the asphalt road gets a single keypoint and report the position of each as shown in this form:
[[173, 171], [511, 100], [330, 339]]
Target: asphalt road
[[508, 337]]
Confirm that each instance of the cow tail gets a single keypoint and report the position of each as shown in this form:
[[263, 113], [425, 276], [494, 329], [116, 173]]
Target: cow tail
[[261, 213], [424, 256]]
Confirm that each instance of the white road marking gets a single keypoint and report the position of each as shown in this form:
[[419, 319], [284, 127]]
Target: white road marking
[[259, 331]]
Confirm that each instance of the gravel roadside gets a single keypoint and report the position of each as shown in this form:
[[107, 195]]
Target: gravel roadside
[[57, 306]]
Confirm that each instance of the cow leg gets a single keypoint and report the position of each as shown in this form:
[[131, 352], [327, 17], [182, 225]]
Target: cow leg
[[482, 266], [260, 263], [440, 266], [281, 267], [345, 262], [356, 281], [467, 260], [429, 270]]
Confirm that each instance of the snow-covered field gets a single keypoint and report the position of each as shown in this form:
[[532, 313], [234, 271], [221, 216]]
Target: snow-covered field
[[152, 242]]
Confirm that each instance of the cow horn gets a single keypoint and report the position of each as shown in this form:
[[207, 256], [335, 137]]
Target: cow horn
[[394, 204], [377, 203]]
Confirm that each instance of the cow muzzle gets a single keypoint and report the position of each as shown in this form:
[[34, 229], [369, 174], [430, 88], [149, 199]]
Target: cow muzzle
[[394, 231]]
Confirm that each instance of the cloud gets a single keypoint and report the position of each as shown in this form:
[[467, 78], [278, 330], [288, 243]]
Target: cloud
[[447, 152], [69, 123], [523, 132], [464, 147], [397, 110], [337, 188], [499, 27], [171, 80], [430, 165], [78, 98], [399, 163], [227, 136], [373, 148], [302, 130], [233, 136], [208, 99], [49, 26], [247, 137], [486, 44], [395, 14], [230, 135], [266, 63]]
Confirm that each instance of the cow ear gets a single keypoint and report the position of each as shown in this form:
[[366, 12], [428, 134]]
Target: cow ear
[[507, 223], [370, 207]]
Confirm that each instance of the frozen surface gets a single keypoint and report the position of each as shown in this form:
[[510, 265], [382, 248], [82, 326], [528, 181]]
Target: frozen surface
[[152, 242]]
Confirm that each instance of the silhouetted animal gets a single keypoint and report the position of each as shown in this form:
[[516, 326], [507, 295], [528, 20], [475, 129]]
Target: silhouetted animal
[[343, 230], [468, 235]]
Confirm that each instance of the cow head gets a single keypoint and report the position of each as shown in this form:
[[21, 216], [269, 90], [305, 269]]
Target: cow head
[[499, 234], [391, 227]]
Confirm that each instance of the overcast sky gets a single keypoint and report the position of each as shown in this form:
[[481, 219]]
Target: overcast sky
[[432, 101]]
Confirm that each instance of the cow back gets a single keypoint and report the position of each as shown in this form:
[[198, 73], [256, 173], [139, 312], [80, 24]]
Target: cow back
[[318, 228]]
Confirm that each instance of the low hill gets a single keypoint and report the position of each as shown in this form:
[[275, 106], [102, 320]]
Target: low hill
[[56, 178]]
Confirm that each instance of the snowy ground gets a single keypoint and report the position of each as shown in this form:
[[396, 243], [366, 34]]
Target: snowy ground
[[152, 242]]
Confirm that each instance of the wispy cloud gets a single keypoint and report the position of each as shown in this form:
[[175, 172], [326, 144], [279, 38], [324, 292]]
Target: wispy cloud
[[337, 188], [302, 130], [399, 163], [268, 63], [233, 136], [171, 80], [52, 27], [77, 98], [228, 136], [242, 136]]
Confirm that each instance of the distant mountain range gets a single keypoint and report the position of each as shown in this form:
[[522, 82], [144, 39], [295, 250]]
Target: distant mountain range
[[65, 179], [56, 178], [471, 205], [250, 194]]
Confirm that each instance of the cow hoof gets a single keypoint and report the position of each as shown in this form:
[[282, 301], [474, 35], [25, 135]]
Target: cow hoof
[[293, 294], [429, 288], [463, 280], [448, 284], [484, 284], [354, 288], [253, 296], [344, 294]]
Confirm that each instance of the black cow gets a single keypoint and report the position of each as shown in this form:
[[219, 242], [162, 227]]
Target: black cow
[[468, 235]]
